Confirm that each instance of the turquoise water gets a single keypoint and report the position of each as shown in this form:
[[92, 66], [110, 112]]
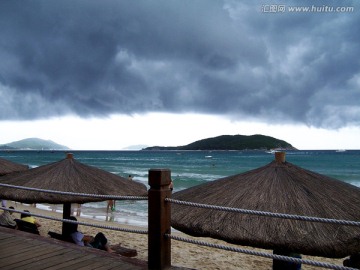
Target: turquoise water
[[188, 168]]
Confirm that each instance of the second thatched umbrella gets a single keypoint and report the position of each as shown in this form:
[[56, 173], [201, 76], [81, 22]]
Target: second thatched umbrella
[[67, 175], [7, 166], [279, 187]]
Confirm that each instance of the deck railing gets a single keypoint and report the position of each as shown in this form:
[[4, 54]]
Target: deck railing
[[159, 223]]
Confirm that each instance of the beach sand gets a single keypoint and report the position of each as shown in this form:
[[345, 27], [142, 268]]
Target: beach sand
[[182, 254]]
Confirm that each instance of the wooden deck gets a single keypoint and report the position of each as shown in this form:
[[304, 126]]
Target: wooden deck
[[20, 250]]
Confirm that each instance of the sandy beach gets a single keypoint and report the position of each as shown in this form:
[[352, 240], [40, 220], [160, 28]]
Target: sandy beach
[[183, 254]]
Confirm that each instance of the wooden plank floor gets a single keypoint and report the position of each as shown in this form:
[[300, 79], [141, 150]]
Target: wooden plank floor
[[20, 250]]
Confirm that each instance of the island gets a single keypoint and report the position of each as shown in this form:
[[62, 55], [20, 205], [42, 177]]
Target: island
[[33, 144], [232, 142]]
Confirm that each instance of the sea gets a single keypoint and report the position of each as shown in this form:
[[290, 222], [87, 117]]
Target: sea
[[188, 168]]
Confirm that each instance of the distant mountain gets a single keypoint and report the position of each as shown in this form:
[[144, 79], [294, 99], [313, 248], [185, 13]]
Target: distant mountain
[[232, 142], [33, 144], [135, 147]]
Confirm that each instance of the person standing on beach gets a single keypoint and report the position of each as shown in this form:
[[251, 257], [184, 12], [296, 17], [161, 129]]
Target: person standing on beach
[[110, 205], [171, 186], [77, 210], [3, 203]]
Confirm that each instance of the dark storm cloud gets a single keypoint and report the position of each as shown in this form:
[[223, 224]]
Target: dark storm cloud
[[95, 58]]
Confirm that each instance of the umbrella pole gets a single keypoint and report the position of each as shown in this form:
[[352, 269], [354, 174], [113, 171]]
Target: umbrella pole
[[284, 265], [66, 215]]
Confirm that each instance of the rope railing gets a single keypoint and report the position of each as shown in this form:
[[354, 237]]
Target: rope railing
[[261, 254], [114, 197], [267, 214], [78, 222], [264, 213], [214, 207]]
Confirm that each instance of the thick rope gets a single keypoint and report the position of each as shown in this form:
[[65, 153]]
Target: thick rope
[[79, 222], [114, 197], [267, 214], [214, 207], [261, 254], [201, 243]]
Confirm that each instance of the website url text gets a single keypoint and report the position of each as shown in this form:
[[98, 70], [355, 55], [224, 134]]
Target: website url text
[[306, 9]]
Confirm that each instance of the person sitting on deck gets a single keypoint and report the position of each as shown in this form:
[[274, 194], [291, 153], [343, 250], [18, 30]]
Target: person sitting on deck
[[28, 218], [353, 261], [99, 241], [6, 219]]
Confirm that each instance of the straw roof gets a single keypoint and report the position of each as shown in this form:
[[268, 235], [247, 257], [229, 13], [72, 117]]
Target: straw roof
[[71, 176], [7, 166], [279, 187]]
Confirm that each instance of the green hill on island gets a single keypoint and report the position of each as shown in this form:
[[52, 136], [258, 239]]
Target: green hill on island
[[33, 144], [232, 142]]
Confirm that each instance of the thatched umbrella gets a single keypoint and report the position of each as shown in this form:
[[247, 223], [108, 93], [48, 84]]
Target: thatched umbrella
[[67, 175], [7, 166], [279, 187]]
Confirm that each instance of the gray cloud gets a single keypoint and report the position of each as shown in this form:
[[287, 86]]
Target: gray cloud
[[95, 58]]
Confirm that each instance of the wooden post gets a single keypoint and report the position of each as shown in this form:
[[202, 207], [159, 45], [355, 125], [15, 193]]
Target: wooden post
[[159, 247]]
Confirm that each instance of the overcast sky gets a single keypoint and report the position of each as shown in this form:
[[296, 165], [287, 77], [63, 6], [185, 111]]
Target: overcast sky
[[112, 73]]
